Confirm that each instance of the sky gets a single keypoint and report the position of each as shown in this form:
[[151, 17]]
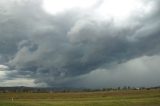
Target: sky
[[81, 44]]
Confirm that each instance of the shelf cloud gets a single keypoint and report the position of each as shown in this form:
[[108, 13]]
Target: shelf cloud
[[61, 49]]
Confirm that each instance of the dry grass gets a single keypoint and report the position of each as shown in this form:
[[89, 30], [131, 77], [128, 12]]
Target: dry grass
[[111, 98]]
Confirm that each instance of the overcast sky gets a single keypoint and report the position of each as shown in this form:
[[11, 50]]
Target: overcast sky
[[75, 43]]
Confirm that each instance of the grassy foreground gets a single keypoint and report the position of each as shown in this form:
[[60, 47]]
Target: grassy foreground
[[107, 98]]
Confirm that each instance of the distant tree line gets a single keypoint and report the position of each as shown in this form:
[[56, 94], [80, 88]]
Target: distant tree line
[[23, 89]]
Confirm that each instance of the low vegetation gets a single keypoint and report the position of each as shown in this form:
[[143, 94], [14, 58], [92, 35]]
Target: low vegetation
[[97, 98]]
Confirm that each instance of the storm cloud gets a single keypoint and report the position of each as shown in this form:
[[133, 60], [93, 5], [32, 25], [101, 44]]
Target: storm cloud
[[59, 49]]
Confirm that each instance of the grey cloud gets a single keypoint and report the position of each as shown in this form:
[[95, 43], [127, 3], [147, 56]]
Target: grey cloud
[[15, 24], [139, 72], [55, 49]]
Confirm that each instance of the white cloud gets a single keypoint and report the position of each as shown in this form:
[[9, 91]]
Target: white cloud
[[3, 67], [3, 70], [19, 82]]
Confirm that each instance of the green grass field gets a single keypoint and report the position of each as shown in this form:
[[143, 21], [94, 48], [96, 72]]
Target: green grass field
[[107, 98]]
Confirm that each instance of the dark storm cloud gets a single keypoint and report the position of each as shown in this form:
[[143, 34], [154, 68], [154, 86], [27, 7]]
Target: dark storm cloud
[[143, 71], [54, 49], [14, 25]]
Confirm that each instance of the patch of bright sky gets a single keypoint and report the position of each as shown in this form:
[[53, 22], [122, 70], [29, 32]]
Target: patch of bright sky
[[117, 9], [57, 6]]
